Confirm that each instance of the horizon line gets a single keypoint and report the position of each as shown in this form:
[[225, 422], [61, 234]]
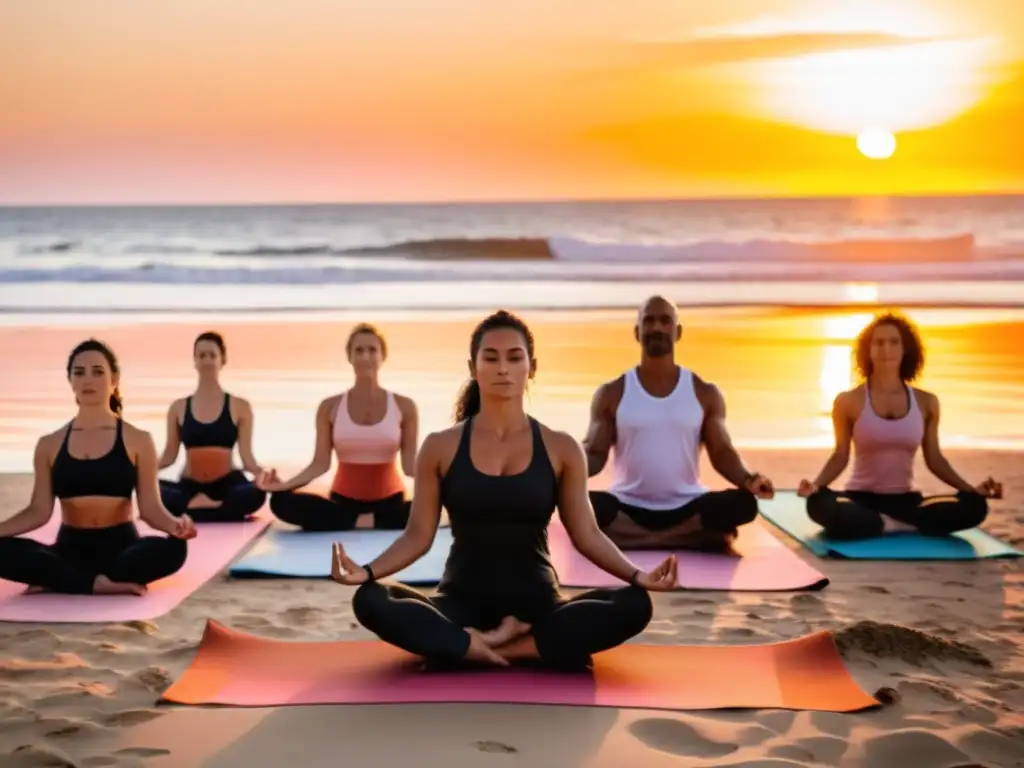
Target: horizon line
[[514, 201]]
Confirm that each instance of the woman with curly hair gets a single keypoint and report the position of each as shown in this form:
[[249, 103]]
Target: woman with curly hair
[[886, 420]]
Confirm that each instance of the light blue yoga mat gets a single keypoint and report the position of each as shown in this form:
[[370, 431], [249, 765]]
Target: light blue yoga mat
[[307, 555], [788, 512]]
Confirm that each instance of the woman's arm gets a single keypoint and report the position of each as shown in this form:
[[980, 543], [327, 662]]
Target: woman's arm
[[246, 421], [321, 461], [578, 515], [937, 464], [40, 505], [410, 434], [842, 428], [424, 516], [173, 440], [147, 484]]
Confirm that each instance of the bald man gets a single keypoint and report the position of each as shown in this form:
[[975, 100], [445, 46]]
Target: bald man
[[657, 416]]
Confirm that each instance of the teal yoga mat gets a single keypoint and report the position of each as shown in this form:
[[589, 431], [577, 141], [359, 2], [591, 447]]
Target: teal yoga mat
[[788, 512], [287, 552]]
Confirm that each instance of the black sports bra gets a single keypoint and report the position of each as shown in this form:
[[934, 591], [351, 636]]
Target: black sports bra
[[222, 433], [112, 474]]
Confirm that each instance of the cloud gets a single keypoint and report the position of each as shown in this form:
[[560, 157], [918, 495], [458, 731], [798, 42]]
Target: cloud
[[729, 49]]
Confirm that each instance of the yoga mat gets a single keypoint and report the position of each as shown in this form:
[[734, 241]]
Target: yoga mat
[[307, 554], [758, 563], [788, 512], [208, 554], [238, 669]]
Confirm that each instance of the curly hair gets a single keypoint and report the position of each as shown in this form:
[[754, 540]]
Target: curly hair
[[913, 348]]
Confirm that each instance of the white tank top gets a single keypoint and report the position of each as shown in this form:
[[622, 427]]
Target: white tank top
[[657, 451]]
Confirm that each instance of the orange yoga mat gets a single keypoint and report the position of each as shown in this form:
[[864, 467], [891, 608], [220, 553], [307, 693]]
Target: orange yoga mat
[[235, 668]]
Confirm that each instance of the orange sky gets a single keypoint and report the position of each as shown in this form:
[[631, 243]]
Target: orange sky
[[161, 101]]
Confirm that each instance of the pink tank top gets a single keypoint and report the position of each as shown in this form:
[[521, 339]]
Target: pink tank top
[[367, 453], [884, 449]]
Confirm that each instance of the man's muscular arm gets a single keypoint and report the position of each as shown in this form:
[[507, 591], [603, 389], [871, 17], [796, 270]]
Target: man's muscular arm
[[601, 432], [721, 452]]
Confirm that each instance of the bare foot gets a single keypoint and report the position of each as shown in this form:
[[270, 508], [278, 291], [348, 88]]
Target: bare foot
[[479, 651], [202, 501], [104, 586], [510, 628], [892, 525]]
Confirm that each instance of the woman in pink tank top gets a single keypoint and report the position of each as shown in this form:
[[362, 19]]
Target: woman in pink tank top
[[370, 430], [886, 421]]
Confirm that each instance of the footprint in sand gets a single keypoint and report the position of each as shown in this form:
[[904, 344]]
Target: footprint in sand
[[678, 738], [827, 750], [37, 756], [305, 615], [143, 751], [129, 717], [873, 589], [911, 747], [495, 746]]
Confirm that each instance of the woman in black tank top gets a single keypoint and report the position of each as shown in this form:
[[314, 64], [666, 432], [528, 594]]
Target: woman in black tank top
[[501, 475], [232, 496], [98, 548]]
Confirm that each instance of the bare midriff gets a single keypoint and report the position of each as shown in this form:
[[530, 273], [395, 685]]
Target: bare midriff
[[96, 512], [367, 482], [207, 464]]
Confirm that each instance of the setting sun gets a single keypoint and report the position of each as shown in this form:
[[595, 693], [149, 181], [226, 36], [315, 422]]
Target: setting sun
[[876, 143]]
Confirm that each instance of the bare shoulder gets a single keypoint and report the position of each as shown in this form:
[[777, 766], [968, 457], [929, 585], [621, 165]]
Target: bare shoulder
[[708, 393], [136, 438], [928, 402], [50, 443], [328, 405], [405, 404], [178, 408], [561, 446], [240, 404], [438, 448], [850, 402], [609, 395]]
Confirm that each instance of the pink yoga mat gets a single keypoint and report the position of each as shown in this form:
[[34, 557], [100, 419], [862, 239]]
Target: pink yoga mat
[[759, 563], [239, 669], [208, 553]]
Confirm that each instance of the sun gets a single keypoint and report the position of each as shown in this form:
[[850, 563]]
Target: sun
[[876, 143]]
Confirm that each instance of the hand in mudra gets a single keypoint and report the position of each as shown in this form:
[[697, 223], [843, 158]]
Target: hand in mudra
[[662, 579], [760, 486], [344, 569], [990, 489]]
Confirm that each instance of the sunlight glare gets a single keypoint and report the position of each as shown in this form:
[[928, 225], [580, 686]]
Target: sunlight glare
[[903, 87], [876, 144], [861, 293], [836, 373], [845, 327]]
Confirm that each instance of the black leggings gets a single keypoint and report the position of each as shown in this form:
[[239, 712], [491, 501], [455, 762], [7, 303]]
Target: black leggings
[[566, 632], [720, 511], [79, 555], [858, 514], [239, 498], [338, 513]]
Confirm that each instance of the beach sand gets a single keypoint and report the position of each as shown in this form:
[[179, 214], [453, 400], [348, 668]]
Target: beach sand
[[946, 637]]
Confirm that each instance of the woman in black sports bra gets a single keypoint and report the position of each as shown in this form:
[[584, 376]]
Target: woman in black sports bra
[[209, 423], [93, 465], [500, 475]]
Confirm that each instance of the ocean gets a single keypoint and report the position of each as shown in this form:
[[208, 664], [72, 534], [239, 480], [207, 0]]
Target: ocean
[[952, 251]]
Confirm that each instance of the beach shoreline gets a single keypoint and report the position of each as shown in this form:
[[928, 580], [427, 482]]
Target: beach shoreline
[[88, 692]]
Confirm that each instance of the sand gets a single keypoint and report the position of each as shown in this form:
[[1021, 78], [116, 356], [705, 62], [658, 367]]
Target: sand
[[941, 641]]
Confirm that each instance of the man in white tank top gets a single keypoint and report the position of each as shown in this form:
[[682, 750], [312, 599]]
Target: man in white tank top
[[657, 417]]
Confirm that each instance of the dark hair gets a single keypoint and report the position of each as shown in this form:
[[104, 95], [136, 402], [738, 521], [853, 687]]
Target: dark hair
[[371, 329], [913, 348], [468, 402], [95, 345], [216, 338]]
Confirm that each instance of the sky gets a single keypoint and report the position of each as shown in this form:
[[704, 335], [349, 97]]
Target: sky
[[273, 101]]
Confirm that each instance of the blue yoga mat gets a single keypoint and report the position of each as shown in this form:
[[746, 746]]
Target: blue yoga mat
[[307, 555], [788, 512]]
